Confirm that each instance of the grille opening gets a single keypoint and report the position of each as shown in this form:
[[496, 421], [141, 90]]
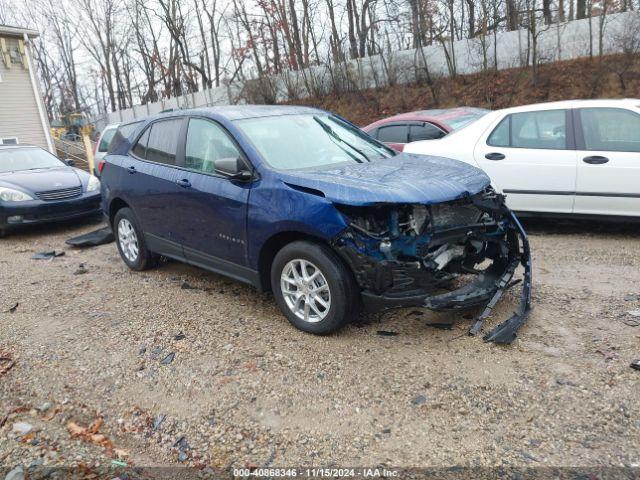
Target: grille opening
[[60, 194]]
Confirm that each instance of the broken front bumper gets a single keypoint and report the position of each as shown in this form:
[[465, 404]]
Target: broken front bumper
[[431, 269]]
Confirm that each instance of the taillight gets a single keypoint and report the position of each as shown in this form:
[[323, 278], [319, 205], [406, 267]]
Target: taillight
[[101, 165]]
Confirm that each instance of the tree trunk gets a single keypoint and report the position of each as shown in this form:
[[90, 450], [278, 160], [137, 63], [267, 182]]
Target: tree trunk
[[512, 15], [581, 9], [471, 15]]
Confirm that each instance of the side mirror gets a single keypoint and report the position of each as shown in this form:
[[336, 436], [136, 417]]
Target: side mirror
[[70, 162], [233, 168]]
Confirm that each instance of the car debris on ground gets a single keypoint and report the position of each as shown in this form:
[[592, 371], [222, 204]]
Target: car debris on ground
[[168, 359], [92, 239], [13, 308], [48, 255]]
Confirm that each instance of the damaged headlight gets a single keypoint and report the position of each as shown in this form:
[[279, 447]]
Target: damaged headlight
[[387, 221], [447, 215]]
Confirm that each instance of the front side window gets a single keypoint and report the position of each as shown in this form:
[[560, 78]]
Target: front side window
[[31, 158], [290, 142], [546, 129], [394, 134], [425, 132], [610, 129], [206, 143]]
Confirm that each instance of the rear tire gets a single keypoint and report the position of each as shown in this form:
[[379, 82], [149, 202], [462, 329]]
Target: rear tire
[[313, 288], [130, 241], [3, 232]]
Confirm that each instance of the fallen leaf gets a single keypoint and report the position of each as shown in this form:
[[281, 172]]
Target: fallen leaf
[[52, 413], [95, 425], [76, 430]]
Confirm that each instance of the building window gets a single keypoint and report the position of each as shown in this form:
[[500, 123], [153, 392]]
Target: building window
[[9, 141]]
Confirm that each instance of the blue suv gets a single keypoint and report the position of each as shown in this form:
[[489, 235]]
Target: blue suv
[[300, 202]]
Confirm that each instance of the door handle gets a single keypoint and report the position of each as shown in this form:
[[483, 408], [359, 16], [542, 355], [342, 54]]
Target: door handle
[[595, 160], [184, 183], [494, 156], [131, 169]]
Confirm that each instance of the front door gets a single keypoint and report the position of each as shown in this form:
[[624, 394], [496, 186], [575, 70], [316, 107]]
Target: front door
[[213, 210], [608, 142], [530, 157]]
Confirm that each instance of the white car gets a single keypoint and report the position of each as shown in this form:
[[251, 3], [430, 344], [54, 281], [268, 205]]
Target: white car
[[102, 146], [578, 157]]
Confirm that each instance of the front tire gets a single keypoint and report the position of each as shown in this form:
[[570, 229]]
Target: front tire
[[313, 288], [130, 241]]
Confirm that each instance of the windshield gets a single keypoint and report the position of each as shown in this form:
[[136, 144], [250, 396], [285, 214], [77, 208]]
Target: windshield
[[18, 159], [305, 141], [456, 118], [466, 119]]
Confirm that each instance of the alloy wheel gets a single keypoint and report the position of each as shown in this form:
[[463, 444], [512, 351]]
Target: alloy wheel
[[305, 290], [128, 240]]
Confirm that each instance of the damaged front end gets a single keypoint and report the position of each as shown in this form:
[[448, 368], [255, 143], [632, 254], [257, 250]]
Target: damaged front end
[[446, 256]]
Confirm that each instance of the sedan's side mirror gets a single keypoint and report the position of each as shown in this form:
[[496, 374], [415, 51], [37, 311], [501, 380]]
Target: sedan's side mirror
[[232, 167], [70, 162]]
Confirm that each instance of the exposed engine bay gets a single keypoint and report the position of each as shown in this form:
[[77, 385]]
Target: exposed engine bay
[[446, 256]]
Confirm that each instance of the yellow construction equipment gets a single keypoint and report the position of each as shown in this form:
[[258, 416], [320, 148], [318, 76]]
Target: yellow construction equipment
[[72, 126]]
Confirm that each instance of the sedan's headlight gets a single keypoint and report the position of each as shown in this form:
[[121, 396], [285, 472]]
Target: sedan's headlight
[[11, 195], [94, 184]]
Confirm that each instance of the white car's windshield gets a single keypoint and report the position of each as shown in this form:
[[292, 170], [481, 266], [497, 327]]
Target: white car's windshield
[[31, 158], [305, 141]]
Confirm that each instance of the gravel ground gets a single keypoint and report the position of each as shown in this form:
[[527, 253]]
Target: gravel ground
[[178, 366]]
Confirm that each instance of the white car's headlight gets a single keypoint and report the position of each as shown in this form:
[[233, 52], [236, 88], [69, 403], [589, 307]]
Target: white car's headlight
[[11, 195], [94, 184]]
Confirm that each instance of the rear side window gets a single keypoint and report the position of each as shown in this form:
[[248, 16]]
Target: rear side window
[[123, 132], [610, 129], [206, 143], [544, 130], [106, 138], [500, 136], [394, 134], [159, 142], [424, 132]]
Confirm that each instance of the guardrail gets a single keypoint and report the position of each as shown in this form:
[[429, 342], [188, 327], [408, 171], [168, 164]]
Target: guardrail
[[76, 151]]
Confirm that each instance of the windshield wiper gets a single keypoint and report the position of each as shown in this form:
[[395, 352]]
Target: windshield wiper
[[334, 135]]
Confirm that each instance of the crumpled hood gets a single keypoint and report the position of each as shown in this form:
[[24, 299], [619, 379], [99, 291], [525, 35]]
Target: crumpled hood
[[42, 180], [405, 178]]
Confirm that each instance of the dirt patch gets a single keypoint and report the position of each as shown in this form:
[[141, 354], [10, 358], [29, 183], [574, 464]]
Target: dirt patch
[[246, 388]]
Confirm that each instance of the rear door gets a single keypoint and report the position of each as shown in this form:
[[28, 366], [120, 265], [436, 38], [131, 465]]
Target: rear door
[[530, 156], [608, 142], [151, 182], [213, 208]]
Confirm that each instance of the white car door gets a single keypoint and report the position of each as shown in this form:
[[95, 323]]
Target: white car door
[[530, 156], [608, 142]]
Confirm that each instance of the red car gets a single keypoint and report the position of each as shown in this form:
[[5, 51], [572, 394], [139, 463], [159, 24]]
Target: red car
[[398, 130]]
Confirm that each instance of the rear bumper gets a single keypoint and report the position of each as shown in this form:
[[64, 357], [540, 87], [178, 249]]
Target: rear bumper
[[39, 211]]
